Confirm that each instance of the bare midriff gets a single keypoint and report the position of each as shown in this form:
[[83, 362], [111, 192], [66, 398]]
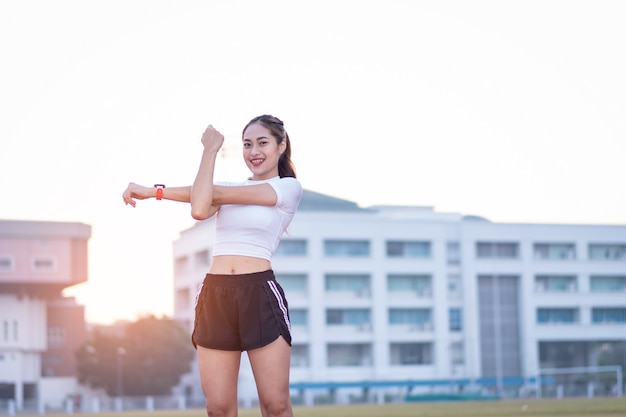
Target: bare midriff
[[234, 265]]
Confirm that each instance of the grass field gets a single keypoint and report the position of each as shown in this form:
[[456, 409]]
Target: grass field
[[597, 407]]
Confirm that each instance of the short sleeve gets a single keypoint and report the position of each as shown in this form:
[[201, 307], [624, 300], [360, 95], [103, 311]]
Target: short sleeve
[[288, 193], [228, 183]]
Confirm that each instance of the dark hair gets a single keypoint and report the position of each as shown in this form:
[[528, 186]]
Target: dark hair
[[277, 129]]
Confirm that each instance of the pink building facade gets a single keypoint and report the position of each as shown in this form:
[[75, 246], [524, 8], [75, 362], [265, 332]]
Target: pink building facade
[[39, 329]]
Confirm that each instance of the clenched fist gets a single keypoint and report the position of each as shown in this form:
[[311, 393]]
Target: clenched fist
[[212, 139]]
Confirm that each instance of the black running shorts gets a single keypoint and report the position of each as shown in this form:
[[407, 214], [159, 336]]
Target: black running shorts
[[240, 312]]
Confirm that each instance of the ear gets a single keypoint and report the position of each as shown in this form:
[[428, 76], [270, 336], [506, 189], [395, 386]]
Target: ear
[[282, 146]]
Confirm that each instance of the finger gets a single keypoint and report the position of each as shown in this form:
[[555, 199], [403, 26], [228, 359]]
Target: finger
[[128, 200]]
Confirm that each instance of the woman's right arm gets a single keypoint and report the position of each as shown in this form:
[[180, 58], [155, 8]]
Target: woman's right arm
[[201, 194]]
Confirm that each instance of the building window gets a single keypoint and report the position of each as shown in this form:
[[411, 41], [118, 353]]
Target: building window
[[556, 283], [608, 315], [557, 315], [420, 318], [608, 283], [6, 330], [299, 356], [352, 317], [56, 336], [293, 282], [455, 288], [291, 247], [357, 284], [298, 317], [6, 264], [202, 258], [455, 319], [457, 353], [453, 253], [497, 250], [408, 249], [353, 354], [182, 299], [607, 251], [44, 264], [347, 248], [181, 264], [410, 354], [554, 251], [419, 284]]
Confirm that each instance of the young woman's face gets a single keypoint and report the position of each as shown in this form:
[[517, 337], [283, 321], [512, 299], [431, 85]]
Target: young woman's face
[[261, 152]]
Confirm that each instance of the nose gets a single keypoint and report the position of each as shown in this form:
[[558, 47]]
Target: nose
[[254, 149]]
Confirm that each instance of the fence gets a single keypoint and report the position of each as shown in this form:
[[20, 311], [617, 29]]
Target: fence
[[551, 383]]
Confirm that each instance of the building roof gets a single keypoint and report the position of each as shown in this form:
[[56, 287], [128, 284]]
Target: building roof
[[32, 228], [312, 201]]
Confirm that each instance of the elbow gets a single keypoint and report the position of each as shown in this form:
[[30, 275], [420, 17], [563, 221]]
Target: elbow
[[200, 211], [203, 212], [199, 214]]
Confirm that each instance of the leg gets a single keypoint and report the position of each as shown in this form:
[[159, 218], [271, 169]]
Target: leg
[[219, 371], [270, 365]]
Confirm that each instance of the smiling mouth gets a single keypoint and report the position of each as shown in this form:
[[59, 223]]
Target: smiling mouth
[[256, 162]]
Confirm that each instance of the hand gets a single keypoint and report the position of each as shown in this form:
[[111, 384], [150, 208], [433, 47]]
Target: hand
[[136, 191], [212, 139]]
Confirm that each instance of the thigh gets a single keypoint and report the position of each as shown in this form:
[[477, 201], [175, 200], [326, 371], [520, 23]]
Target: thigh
[[219, 371], [270, 365]]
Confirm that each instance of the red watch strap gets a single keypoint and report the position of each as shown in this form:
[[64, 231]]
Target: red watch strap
[[159, 191]]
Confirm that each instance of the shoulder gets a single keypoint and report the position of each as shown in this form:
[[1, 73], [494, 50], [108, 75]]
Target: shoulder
[[288, 184], [288, 191]]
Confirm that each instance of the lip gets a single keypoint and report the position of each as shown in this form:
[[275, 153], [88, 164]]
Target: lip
[[256, 161]]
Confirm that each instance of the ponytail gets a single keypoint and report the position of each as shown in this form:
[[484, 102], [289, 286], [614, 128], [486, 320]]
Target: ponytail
[[285, 165]]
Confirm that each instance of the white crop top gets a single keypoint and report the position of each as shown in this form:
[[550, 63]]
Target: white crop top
[[253, 230]]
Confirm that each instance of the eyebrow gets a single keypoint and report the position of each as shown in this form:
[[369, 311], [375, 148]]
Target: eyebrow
[[260, 137]]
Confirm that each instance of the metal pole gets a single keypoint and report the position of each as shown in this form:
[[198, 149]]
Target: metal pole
[[120, 371], [497, 333]]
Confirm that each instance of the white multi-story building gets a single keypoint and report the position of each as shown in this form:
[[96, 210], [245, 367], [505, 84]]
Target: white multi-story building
[[387, 298]]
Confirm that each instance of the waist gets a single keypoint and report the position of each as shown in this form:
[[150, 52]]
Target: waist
[[236, 264], [239, 280]]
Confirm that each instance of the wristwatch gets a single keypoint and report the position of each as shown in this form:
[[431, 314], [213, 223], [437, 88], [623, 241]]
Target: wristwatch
[[159, 190]]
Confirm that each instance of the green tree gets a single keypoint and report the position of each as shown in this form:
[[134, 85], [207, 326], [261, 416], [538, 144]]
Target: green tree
[[148, 359], [611, 354]]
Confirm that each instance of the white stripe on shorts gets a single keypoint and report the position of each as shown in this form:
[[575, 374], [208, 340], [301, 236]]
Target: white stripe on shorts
[[281, 304], [195, 304]]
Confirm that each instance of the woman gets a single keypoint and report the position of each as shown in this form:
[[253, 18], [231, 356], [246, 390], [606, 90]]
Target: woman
[[240, 305]]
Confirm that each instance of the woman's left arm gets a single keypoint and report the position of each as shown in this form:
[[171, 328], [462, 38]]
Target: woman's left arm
[[139, 192], [258, 194], [285, 192]]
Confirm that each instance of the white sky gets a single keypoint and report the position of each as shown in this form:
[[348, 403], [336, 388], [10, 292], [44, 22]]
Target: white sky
[[512, 110]]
